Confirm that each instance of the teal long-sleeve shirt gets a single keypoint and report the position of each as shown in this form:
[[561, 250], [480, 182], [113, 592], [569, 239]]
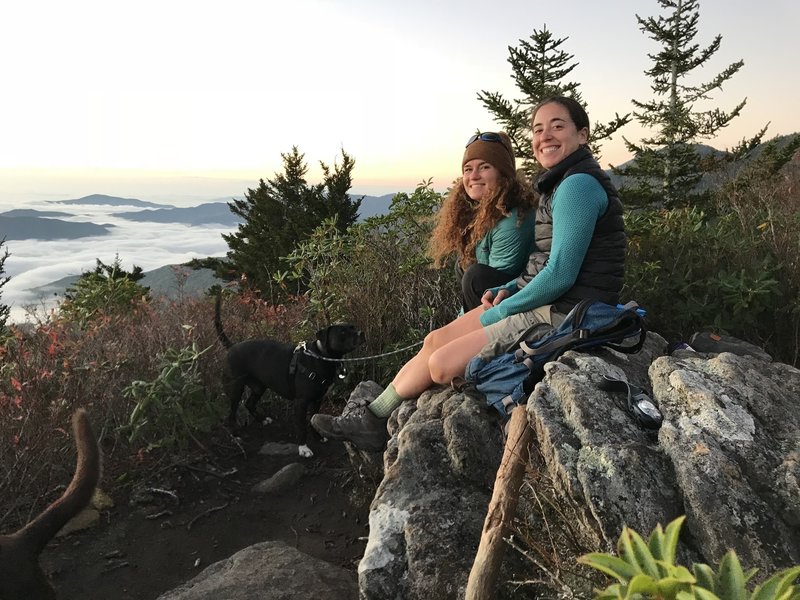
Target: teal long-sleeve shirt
[[578, 202], [507, 246]]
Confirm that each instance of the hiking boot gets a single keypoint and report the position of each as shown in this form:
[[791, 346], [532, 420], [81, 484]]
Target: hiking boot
[[360, 427], [708, 341]]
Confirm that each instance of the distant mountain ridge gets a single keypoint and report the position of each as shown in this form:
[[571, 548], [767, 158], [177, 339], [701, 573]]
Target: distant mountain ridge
[[204, 214], [709, 180], [164, 281], [22, 224], [374, 205], [37, 228], [103, 200], [32, 212]]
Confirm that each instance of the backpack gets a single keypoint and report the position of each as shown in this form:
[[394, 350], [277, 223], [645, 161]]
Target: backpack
[[506, 380]]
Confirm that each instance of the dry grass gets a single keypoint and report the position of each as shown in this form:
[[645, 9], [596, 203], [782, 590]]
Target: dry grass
[[549, 535]]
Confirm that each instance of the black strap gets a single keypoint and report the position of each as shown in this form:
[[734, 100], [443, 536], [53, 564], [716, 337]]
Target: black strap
[[639, 404], [298, 369], [293, 368]]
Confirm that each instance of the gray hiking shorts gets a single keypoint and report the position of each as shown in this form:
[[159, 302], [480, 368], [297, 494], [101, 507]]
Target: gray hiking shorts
[[505, 336]]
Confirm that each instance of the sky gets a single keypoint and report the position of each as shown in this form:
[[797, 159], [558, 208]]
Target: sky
[[186, 101]]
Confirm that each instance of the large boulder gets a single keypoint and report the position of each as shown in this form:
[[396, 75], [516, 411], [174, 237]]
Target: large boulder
[[733, 439], [439, 470], [727, 456], [268, 571]]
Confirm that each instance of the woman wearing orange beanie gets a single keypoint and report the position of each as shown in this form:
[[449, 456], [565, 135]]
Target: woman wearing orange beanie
[[486, 220]]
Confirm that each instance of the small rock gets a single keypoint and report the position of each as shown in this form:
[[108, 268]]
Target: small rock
[[101, 500], [281, 481], [278, 449], [88, 517]]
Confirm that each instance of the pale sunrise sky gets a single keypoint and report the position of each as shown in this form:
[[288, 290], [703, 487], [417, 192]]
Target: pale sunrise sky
[[187, 101]]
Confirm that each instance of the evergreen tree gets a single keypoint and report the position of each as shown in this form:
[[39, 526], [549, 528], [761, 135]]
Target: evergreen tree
[[109, 289], [4, 309], [668, 166], [539, 67], [282, 212], [333, 191]]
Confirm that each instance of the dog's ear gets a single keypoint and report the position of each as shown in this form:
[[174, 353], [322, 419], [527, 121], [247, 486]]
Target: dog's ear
[[322, 336]]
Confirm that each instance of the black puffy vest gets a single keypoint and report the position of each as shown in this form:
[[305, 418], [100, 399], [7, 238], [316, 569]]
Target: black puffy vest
[[603, 269]]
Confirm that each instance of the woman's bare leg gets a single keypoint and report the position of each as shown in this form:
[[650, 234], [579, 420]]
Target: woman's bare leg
[[445, 351], [415, 376], [451, 360]]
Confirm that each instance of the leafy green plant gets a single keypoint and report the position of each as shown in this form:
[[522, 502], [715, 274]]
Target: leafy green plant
[[173, 406], [314, 262], [692, 270], [378, 276], [645, 570]]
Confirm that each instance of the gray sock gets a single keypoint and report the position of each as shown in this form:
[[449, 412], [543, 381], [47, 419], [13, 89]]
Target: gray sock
[[386, 402]]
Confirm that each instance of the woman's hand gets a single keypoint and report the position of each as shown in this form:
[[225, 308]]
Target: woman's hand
[[488, 300]]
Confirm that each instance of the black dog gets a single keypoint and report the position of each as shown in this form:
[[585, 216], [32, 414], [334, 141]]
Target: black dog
[[21, 576], [300, 374]]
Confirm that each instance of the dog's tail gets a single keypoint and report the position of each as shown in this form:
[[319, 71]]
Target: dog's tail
[[218, 321], [32, 538]]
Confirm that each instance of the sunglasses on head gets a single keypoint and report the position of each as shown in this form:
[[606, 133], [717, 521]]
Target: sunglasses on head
[[488, 137], [484, 137]]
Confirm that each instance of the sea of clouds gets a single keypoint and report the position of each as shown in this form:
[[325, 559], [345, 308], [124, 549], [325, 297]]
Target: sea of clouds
[[34, 263]]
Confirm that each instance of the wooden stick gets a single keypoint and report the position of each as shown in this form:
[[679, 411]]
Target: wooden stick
[[502, 508]]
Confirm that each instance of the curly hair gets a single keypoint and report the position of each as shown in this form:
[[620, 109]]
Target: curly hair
[[461, 223]]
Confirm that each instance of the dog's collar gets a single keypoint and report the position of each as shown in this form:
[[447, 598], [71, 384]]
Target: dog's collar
[[297, 369], [319, 351], [301, 348]]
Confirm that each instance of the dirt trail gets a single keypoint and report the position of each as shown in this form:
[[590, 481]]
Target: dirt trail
[[140, 550]]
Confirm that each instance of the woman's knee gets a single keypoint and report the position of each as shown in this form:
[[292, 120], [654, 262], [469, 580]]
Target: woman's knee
[[430, 341], [436, 339], [445, 364], [440, 370]]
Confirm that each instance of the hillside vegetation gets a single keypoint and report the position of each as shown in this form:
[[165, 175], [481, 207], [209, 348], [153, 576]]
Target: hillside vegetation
[[732, 266]]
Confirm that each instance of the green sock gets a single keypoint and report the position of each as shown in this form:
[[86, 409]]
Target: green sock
[[386, 402]]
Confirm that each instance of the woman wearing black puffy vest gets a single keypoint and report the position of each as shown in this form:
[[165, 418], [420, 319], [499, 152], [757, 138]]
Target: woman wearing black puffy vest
[[579, 253]]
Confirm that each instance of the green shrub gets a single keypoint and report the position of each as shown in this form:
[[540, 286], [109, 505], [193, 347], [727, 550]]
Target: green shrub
[[765, 200], [107, 290], [732, 267], [648, 570], [48, 371], [171, 408], [378, 276], [694, 271]]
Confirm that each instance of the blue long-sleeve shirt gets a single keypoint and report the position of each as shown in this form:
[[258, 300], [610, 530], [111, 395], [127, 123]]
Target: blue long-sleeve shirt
[[507, 245], [578, 202]]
